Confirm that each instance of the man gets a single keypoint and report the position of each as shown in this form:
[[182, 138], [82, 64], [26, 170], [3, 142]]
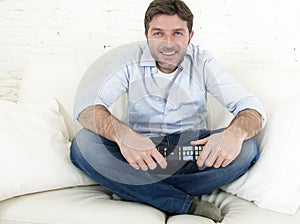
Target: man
[[166, 80]]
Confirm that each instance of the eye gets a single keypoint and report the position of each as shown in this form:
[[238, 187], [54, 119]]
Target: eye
[[158, 34], [177, 33]]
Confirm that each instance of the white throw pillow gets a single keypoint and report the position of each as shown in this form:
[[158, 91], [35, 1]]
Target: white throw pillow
[[34, 150], [274, 181]]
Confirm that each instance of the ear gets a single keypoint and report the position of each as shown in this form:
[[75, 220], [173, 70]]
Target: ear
[[191, 34], [146, 34]]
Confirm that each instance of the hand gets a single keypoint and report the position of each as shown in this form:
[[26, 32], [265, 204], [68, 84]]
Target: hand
[[219, 149], [140, 152]]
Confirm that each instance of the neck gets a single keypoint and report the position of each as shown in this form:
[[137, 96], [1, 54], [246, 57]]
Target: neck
[[166, 68]]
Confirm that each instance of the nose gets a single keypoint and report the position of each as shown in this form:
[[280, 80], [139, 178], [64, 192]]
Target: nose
[[169, 41], [169, 38]]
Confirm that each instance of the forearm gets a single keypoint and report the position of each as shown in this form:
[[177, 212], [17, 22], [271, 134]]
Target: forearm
[[100, 121], [139, 151], [246, 124]]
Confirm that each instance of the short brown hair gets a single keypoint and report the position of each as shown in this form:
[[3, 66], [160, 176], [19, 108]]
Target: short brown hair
[[169, 7]]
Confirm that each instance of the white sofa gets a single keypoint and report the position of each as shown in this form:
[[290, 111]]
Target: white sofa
[[58, 76]]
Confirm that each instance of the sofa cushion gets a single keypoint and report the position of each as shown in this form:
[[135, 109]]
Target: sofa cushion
[[190, 219], [274, 181], [91, 204], [240, 211], [58, 76], [53, 76], [34, 150], [237, 211]]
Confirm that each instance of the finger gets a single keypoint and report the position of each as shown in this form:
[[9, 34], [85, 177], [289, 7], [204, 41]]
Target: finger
[[203, 156], [142, 165], [132, 163], [135, 166], [159, 159], [226, 163], [150, 162], [162, 163], [199, 142], [136, 161], [212, 158], [218, 162]]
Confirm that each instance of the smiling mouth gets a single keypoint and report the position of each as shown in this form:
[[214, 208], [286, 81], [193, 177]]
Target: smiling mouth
[[168, 53]]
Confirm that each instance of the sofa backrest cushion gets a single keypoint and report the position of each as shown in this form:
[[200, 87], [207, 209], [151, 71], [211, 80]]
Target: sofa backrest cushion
[[49, 77]]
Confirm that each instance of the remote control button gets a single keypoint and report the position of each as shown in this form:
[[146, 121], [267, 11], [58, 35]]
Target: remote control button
[[187, 158]]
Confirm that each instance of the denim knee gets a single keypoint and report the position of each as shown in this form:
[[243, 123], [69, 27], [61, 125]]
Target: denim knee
[[248, 155], [250, 146], [75, 155]]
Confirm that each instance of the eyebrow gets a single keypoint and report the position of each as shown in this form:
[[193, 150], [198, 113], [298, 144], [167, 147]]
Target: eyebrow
[[159, 29]]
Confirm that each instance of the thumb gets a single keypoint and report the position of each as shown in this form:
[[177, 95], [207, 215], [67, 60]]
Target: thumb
[[199, 142]]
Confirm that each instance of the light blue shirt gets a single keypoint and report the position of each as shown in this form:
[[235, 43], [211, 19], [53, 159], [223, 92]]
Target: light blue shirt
[[131, 69]]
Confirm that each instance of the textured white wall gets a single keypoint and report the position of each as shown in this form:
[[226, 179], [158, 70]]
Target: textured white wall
[[240, 34]]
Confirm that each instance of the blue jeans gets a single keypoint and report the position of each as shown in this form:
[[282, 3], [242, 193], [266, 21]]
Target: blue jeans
[[170, 189]]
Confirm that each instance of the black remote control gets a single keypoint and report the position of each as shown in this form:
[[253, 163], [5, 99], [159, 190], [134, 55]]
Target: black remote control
[[180, 152]]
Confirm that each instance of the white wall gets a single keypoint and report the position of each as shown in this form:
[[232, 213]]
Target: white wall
[[241, 34]]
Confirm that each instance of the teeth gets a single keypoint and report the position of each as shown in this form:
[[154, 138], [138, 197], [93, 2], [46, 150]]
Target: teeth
[[169, 53]]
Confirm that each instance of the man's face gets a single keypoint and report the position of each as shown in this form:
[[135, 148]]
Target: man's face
[[168, 37]]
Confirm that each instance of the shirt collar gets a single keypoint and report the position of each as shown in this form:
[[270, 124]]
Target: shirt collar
[[188, 58], [146, 58]]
